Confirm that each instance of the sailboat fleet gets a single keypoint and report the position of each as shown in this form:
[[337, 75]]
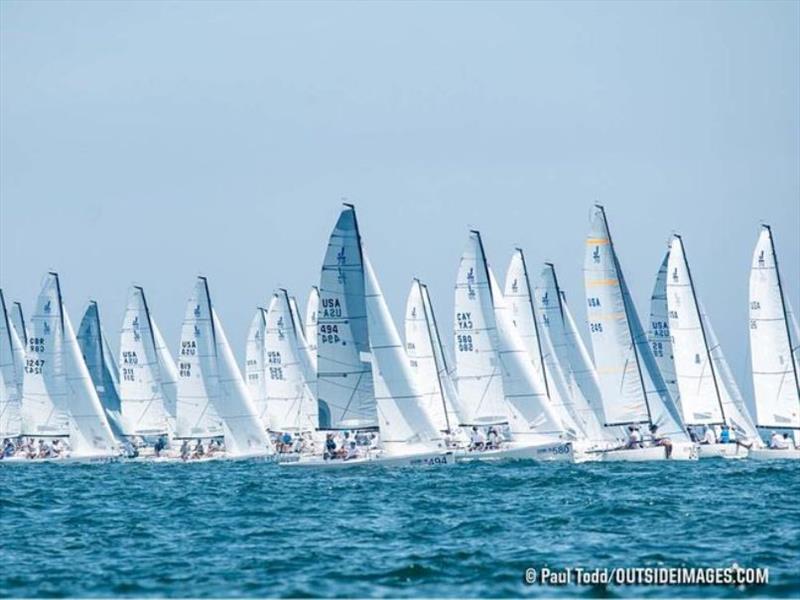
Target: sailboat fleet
[[333, 385]]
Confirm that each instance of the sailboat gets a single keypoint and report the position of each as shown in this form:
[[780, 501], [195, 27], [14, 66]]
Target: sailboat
[[363, 379], [633, 392], [707, 397], [495, 379], [149, 377], [12, 365], [58, 398], [290, 405], [428, 362], [101, 365], [565, 354], [775, 350], [213, 401]]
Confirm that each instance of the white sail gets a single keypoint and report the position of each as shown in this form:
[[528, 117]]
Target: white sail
[[244, 432], [427, 360], [403, 422], [700, 398], [546, 372], [344, 377], [290, 405], [772, 350], [255, 371], [101, 366], [632, 387], [18, 321], [142, 395], [169, 376], [198, 380], [312, 307], [90, 432], [479, 374], [44, 390], [659, 336], [561, 352], [12, 365], [307, 358]]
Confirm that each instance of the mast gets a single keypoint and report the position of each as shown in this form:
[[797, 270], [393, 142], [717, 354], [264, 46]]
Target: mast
[[627, 312], [783, 306], [485, 264], [60, 300], [99, 336], [424, 293], [703, 329], [8, 324], [552, 268], [24, 332], [210, 312], [535, 323]]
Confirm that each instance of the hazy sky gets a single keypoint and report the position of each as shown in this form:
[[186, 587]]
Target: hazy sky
[[150, 142]]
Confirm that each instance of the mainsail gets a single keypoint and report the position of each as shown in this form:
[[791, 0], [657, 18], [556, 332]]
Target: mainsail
[[427, 360], [101, 366], [632, 387], [312, 307], [290, 405], [307, 358], [659, 336], [344, 374], [525, 317], [563, 352], [403, 422], [773, 339], [12, 365], [255, 371], [145, 384], [198, 380]]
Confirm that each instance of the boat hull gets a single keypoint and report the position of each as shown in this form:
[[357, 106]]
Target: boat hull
[[67, 460], [551, 452], [722, 451], [774, 454], [425, 461], [679, 452]]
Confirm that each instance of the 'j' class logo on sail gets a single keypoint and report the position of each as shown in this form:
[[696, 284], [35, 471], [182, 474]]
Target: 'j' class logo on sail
[[470, 283], [596, 255]]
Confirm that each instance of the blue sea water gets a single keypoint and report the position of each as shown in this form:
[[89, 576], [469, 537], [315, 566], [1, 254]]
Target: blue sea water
[[249, 529]]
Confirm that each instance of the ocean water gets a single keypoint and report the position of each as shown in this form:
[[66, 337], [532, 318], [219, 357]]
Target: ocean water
[[249, 529]]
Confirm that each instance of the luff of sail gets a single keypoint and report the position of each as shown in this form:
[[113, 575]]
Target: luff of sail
[[198, 380], [18, 321], [255, 370], [403, 422], [774, 359], [290, 404], [142, 394], [344, 378], [700, 398], [12, 359], [427, 361]]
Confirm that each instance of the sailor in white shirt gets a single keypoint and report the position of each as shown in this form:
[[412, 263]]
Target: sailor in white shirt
[[710, 437], [778, 442], [634, 437], [476, 439]]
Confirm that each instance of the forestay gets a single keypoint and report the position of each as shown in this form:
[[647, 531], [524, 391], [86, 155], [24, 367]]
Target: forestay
[[143, 398], [344, 377], [403, 422], [773, 337], [290, 405]]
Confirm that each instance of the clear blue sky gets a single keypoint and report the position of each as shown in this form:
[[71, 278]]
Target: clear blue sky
[[149, 142]]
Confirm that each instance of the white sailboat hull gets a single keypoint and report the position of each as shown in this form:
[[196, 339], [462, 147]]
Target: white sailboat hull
[[774, 454], [679, 452], [66, 460], [722, 451], [426, 460], [550, 452]]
